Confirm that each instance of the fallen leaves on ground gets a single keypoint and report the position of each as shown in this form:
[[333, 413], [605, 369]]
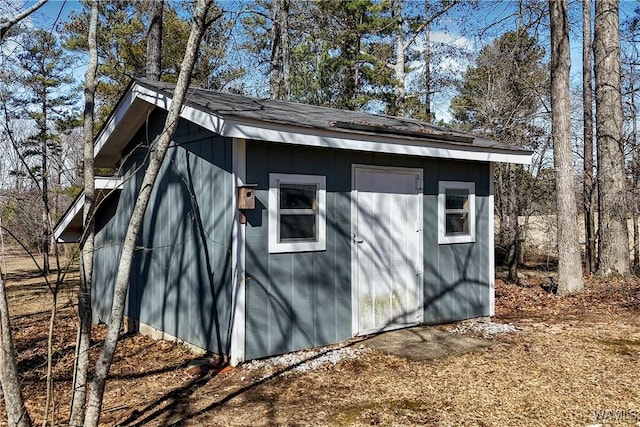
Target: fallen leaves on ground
[[573, 361]]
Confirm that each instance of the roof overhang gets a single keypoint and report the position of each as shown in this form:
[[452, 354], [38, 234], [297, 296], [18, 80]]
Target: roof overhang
[[69, 228], [139, 101], [129, 114]]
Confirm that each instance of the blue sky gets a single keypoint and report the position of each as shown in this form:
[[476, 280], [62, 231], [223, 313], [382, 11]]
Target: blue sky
[[56, 11], [47, 15]]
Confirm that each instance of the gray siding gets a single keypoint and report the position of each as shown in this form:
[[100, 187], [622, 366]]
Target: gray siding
[[302, 300], [456, 276], [111, 225], [181, 280], [181, 277], [297, 300]]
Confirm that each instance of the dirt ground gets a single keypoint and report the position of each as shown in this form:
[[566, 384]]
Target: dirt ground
[[570, 361]]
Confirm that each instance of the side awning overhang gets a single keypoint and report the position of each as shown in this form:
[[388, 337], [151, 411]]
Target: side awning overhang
[[69, 228]]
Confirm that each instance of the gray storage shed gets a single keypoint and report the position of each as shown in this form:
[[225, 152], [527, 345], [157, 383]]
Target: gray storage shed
[[277, 226]]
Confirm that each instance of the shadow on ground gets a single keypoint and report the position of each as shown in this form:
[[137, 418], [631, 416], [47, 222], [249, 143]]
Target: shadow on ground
[[424, 343]]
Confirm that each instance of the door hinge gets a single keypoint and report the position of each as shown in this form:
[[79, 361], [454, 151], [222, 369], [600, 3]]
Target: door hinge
[[418, 225], [418, 184]]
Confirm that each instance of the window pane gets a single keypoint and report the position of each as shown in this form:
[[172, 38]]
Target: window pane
[[457, 223], [457, 198], [297, 227], [298, 196]]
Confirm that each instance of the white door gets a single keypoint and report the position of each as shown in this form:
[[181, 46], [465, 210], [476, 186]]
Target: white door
[[386, 248]]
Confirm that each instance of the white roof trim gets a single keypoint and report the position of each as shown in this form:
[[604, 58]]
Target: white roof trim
[[108, 183], [113, 122], [60, 233], [312, 137]]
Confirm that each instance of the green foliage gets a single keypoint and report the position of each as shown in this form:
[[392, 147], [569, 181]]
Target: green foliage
[[45, 96], [122, 46], [501, 95], [340, 50], [72, 191], [357, 35]]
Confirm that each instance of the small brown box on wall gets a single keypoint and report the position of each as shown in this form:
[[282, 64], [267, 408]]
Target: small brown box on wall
[[247, 197]]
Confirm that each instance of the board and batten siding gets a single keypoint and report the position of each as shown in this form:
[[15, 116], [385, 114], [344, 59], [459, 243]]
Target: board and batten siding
[[111, 225], [296, 300], [456, 276], [301, 300], [181, 276]]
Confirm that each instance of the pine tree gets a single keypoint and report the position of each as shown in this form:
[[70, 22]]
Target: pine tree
[[569, 265], [44, 73], [613, 241], [500, 97], [122, 46]]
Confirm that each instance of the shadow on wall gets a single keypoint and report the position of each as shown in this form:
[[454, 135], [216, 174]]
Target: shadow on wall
[[182, 278], [182, 274], [302, 300], [297, 300], [457, 293]]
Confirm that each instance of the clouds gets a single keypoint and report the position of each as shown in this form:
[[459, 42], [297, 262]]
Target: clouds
[[450, 56]]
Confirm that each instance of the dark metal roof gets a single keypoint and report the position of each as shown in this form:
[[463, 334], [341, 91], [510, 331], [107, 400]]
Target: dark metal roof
[[285, 113]]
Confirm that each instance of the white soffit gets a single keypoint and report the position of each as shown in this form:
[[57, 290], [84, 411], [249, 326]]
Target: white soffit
[[61, 233], [313, 137], [73, 217]]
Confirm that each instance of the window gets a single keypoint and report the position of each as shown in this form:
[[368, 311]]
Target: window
[[297, 220], [456, 212]]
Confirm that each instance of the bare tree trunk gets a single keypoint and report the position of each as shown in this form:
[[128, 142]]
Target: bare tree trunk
[[430, 15], [275, 63], [587, 108], [400, 64], [512, 226], [83, 343], [154, 40], [612, 219], [569, 265], [513, 256], [636, 238], [200, 22], [46, 229], [633, 202], [52, 324], [427, 62], [280, 61], [285, 45], [17, 415]]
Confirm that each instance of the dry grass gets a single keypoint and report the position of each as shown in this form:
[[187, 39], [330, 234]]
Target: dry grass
[[575, 358]]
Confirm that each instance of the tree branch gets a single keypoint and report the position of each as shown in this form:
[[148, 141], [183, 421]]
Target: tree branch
[[5, 26]]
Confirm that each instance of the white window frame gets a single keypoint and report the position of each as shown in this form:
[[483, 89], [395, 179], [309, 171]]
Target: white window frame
[[443, 186], [320, 244]]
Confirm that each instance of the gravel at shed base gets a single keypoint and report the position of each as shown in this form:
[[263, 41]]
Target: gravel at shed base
[[306, 360], [485, 329]]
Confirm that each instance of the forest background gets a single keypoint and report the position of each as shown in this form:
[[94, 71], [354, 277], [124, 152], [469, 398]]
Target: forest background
[[488, 72], [482, 66]]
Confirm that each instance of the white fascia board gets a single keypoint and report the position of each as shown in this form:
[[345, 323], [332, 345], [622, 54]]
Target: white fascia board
[[101, 183], [113, 122], [108, 183], [373, 143], [264, 131], [327, 139], [72, 212]]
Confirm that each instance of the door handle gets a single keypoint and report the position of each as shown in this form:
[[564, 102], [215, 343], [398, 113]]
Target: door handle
[[357, 239]]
